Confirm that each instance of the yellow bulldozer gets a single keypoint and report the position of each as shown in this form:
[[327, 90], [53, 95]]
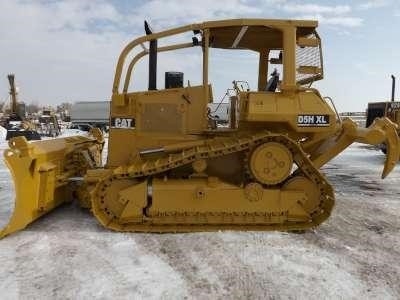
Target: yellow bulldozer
[[170, 169]]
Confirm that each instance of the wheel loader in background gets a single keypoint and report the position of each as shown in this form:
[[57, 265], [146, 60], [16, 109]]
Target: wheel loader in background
[[170, 170]]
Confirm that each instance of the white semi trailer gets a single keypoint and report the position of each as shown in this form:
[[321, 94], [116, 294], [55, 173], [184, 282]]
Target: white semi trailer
[[87, 114]]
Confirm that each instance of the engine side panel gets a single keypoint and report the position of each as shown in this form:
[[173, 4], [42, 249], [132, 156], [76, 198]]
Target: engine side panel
[[153, 119], [302, 112]]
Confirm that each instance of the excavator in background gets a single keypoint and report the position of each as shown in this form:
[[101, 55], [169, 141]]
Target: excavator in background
[[14, 121], [170, 170], [388, 109]]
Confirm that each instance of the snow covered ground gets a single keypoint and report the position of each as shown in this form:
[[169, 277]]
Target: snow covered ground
[[355, 254]]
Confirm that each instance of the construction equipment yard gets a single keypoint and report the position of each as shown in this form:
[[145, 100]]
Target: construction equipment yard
[[355, 254], [268, 192]]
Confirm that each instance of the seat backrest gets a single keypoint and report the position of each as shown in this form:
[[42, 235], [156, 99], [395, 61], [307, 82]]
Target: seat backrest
[[272, 83]]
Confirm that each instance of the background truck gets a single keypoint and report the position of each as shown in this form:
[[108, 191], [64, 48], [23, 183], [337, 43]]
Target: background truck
[[88, 114], [389, 109]]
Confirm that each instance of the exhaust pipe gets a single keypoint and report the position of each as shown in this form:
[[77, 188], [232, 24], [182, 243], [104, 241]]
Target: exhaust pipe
[[152, 59], [393, 86]]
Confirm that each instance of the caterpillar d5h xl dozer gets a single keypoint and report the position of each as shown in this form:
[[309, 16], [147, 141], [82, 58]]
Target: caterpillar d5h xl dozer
[[170, 170]]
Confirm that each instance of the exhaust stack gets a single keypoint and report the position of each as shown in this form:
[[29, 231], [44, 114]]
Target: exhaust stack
[[393, 86], [152, 59]]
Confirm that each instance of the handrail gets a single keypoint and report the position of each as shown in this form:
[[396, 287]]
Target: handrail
[[334, 107], [144, 53], [141, 40], [282, 25]]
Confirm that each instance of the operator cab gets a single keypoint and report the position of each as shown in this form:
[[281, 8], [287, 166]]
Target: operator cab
[[289, 51]]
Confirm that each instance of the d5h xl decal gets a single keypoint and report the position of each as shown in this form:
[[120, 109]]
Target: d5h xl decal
[[313, 120]]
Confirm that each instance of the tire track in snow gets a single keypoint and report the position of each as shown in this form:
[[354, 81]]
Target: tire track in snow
[[209, 267]]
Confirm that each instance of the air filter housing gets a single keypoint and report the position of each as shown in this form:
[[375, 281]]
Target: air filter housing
[[173, 80]]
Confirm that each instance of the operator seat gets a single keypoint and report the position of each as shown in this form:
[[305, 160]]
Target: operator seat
[[273, 81]]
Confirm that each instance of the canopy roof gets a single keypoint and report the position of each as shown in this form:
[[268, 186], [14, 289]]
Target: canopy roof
[[254, 34]]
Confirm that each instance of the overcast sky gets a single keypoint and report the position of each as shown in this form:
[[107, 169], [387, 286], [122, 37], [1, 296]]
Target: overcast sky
[[67, 50]]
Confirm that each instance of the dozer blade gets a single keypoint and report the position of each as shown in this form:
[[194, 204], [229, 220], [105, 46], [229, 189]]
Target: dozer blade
[[42, 173]]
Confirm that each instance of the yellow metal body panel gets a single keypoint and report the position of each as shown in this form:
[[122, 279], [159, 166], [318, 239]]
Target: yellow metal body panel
[[280, 110], [161, 117]]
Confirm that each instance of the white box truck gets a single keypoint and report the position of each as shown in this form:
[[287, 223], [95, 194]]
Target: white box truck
[[87, 114]]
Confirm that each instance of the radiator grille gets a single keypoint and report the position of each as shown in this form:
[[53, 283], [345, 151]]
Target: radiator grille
[[161, 117]]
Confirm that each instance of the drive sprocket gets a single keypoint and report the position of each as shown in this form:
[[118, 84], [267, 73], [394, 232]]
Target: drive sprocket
[[270, 163]]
